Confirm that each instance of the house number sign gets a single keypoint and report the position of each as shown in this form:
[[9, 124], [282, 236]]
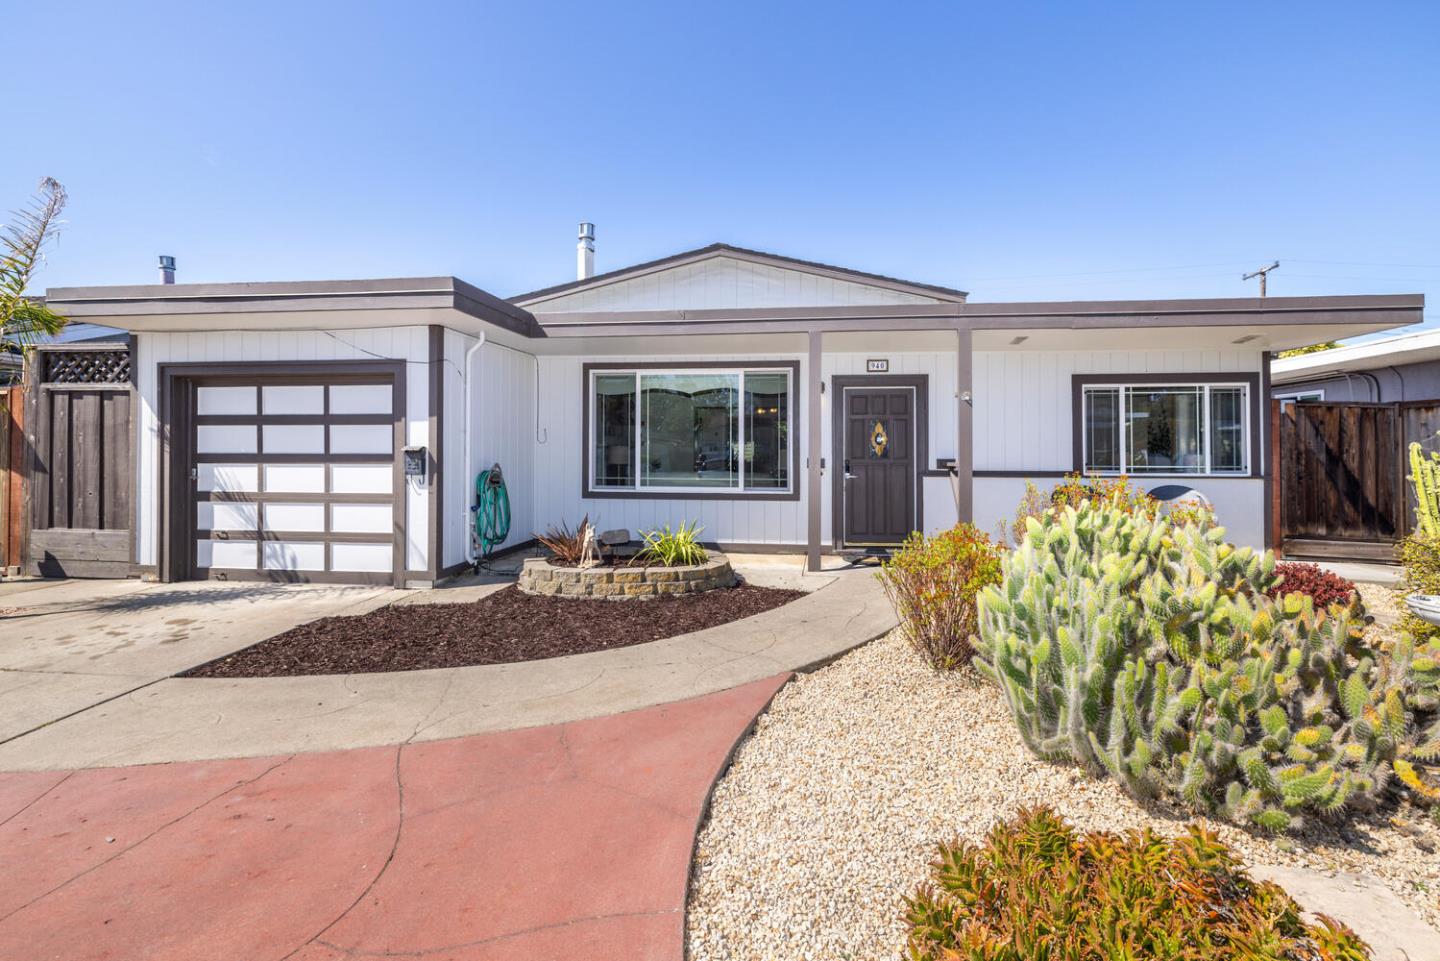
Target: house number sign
[[877, 366]]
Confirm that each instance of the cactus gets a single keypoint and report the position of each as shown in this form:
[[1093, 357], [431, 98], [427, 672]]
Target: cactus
[[1150, 652], [1425, 475]]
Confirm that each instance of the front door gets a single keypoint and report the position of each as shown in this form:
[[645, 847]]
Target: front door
[[878, 465]]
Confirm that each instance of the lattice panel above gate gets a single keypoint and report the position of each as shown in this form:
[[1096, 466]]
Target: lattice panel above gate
[[87, 366]]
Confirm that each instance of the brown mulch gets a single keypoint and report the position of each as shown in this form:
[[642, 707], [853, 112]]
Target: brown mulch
[[501, 628]]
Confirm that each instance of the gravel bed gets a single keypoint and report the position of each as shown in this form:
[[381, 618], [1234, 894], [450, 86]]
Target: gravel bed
[[831, 810]]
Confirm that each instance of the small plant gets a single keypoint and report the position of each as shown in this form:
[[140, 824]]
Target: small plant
[[1425, 475], [1324, 588], [569, 547], [932, 581], [677, 548], [1038, 891]]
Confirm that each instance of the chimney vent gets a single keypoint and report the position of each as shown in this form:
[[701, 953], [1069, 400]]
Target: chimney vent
[[167, 269], [585, 253]]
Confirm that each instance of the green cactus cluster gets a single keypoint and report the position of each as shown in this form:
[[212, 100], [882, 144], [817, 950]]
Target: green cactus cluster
[[1425, 475], [1148, 651]]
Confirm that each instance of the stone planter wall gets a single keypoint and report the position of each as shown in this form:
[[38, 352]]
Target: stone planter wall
[[539, 576]]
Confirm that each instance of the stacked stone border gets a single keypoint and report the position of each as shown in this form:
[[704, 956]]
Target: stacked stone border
[[539, 576]]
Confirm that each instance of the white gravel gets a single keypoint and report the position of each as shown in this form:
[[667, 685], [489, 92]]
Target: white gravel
[[831, 810]]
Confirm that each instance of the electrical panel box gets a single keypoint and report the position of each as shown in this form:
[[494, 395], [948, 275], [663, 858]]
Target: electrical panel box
[[417, 461]]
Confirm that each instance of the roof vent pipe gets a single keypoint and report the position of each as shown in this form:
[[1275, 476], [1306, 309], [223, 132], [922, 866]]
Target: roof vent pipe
[[585, 253], [167, 269]]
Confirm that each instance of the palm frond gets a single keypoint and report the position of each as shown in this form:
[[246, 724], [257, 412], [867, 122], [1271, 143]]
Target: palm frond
[[23, 319]]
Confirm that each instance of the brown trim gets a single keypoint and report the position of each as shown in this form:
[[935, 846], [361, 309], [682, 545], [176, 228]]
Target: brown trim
[[720, 495], [176, 385], [1135, 479], [202, 420], [1267, 464], [964, 427], [814, 458], [375, 578], [1078, 383], [435, 370], [298, 537], [920, 383], [279, 497]]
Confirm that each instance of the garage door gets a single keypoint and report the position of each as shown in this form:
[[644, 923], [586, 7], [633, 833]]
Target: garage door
[[297, 480]]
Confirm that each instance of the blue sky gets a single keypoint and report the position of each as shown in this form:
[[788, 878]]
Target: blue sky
[[1020, 151]]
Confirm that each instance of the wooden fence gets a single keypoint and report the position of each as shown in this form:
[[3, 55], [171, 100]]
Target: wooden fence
[[12, 479], [1342, 475]]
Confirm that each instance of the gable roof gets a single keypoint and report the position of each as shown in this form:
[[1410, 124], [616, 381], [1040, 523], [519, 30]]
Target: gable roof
[[949, 294]]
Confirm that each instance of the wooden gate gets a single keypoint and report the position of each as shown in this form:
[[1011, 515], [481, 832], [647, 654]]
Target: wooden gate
[[1342, 479], [12, 478], [82, 470]]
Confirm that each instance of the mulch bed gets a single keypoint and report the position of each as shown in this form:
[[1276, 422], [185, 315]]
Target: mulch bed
[[501, 628]]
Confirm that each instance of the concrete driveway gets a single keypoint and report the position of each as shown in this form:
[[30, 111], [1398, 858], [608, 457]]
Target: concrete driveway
[[69, 645]]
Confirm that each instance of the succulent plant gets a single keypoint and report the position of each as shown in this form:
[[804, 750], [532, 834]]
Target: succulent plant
[[1150, 652]]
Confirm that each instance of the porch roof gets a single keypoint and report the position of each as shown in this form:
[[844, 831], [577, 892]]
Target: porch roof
[[1274, 323]]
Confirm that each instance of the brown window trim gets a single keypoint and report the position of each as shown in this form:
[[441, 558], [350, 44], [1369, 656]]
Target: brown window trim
[[1078, 383], [793, 366]]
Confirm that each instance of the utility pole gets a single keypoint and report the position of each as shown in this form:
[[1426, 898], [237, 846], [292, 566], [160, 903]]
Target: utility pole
[[1261, 274]]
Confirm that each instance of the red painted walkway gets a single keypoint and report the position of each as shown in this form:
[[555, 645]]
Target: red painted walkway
[[571, 841]]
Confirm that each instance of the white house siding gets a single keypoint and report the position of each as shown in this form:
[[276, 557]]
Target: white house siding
[[503, 431], [456, 501], [410, 344], [724, 283], [558, 465], [1024, 422]]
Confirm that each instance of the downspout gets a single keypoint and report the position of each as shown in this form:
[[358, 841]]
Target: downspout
[[469, 447]]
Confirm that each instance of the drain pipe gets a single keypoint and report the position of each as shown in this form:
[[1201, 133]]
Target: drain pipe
[[470, 555]]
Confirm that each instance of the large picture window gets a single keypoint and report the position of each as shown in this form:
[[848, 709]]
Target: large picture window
[[702, 430], [1166, 428]]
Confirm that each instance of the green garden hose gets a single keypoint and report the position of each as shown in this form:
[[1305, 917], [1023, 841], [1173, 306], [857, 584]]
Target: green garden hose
[[492, 512]]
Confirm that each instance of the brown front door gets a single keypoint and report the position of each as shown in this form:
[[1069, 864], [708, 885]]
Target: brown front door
[[878, 464]]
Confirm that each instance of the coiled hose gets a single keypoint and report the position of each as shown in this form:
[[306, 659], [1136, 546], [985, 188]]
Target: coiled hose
[[492, 512]]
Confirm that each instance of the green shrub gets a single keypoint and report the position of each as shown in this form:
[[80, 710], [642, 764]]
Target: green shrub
[[677, 548], [932, 581], [1150, 652], [1077, 489], [1038, 891], [1420, 555]]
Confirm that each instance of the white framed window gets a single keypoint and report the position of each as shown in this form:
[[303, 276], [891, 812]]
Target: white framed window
[[695, 430], [1174, 428], [1301, 395]]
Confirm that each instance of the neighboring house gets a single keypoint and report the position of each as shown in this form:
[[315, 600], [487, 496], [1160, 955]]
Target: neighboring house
[[784, 405], [1385, 370]]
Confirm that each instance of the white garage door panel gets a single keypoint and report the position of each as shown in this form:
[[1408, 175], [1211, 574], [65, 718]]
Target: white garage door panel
[[240, 554], [306, 399], [360, 398], [307, 518], [362, 479], [225, 439], [226, 516], [361, 518], [362, 439], [295, 478], [294, 556], [361, 558], [229, 478], [225, 401], [294, 439]]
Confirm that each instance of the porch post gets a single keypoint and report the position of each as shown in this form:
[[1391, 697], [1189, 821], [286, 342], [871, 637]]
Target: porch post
[[964, 425], [813, 384]]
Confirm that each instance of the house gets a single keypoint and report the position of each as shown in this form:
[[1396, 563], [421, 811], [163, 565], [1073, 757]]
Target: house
[[332, 430], [1386, 370]]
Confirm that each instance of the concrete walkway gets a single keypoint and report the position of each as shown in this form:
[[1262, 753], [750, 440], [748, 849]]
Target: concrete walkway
[[569, 841], [67, 646], [180, 719]]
